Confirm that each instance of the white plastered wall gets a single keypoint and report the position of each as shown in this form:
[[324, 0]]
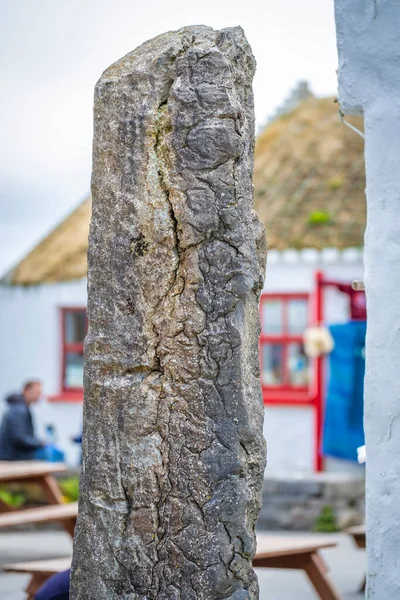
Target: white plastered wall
[[30, 330], [369, 84]]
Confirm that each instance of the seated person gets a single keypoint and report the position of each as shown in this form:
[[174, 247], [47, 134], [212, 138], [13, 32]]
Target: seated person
[[77, 439], [55, 588], [17, 436]]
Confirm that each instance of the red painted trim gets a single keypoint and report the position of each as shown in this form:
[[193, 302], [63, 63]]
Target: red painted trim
[[301, 403], [62, 316], [319, 377], [290, 398], [67, 397], [68, 394], [285, 390], [73, 347], [284, 339], [285, 295]]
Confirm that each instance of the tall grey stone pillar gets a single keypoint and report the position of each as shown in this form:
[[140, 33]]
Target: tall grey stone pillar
[[173, 453]]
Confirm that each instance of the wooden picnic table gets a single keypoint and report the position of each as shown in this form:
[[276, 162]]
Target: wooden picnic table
[[272, 552], [286, 552], [41, 473], [18, 470]]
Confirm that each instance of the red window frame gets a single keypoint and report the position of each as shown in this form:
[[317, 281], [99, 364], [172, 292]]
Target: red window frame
[[313, 397], [68, 393], [283, 394]]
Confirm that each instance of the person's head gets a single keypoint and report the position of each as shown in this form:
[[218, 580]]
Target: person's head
[[32, 391]]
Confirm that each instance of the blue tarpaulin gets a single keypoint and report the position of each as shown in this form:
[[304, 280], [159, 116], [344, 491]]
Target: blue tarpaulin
[[343, 428]]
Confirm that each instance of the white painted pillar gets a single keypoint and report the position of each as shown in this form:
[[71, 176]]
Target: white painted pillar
[[368, 34]]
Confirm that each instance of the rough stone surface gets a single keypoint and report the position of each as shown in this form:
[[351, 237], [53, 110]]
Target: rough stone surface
[[173, 453]]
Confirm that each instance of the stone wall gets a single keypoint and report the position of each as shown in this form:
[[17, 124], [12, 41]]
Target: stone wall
[[303, 502]]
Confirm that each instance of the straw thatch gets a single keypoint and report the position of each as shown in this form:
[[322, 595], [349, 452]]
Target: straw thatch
[[309, 179], [61, 256], [309, 192]]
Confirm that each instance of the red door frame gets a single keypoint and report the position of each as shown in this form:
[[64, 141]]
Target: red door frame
[[319, 377]]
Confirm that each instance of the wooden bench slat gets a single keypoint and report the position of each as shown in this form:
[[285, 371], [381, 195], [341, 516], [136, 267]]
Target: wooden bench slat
[[52, 566], [42, 514], [276, 552], [270, 546], [357, 530], [27, 469], [277, 546]]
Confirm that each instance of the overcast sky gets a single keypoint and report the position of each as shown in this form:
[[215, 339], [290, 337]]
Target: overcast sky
[[53, 52]]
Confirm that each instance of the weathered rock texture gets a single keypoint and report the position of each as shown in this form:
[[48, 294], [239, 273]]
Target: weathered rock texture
[[173, 454]]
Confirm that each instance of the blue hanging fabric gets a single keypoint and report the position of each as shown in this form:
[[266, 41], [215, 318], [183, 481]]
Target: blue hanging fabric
[[343, 428]]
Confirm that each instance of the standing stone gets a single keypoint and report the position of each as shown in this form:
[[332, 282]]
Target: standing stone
[[173, 453]]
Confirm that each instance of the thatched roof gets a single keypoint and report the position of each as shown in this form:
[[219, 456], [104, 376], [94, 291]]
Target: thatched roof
[[309, 179], [309, 192], [61, 256]]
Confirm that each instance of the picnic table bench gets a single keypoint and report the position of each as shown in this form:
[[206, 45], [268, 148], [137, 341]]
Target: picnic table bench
[[41, 473], [359, 537], [40, 571], [64, 513], [272, 552], [298, 553]]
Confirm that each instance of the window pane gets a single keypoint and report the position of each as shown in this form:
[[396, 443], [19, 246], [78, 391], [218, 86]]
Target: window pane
[[297, 316], [73, 376], [272, 317], [298, 371], [75, 326], [272, 364]]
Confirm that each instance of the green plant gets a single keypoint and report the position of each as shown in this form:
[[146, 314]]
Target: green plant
[[260, 191], [326, 521], [319, 217], [70, 488], [14, 499], [335, 183]]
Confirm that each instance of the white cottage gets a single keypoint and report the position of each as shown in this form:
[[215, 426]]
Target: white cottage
[[43, 322], [309, 192]]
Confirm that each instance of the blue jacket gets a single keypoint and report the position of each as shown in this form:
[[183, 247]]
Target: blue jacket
[[17, 438], [55, 588]]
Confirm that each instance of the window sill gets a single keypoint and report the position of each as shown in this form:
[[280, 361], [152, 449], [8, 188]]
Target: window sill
[[287, 397], [67, 397]]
